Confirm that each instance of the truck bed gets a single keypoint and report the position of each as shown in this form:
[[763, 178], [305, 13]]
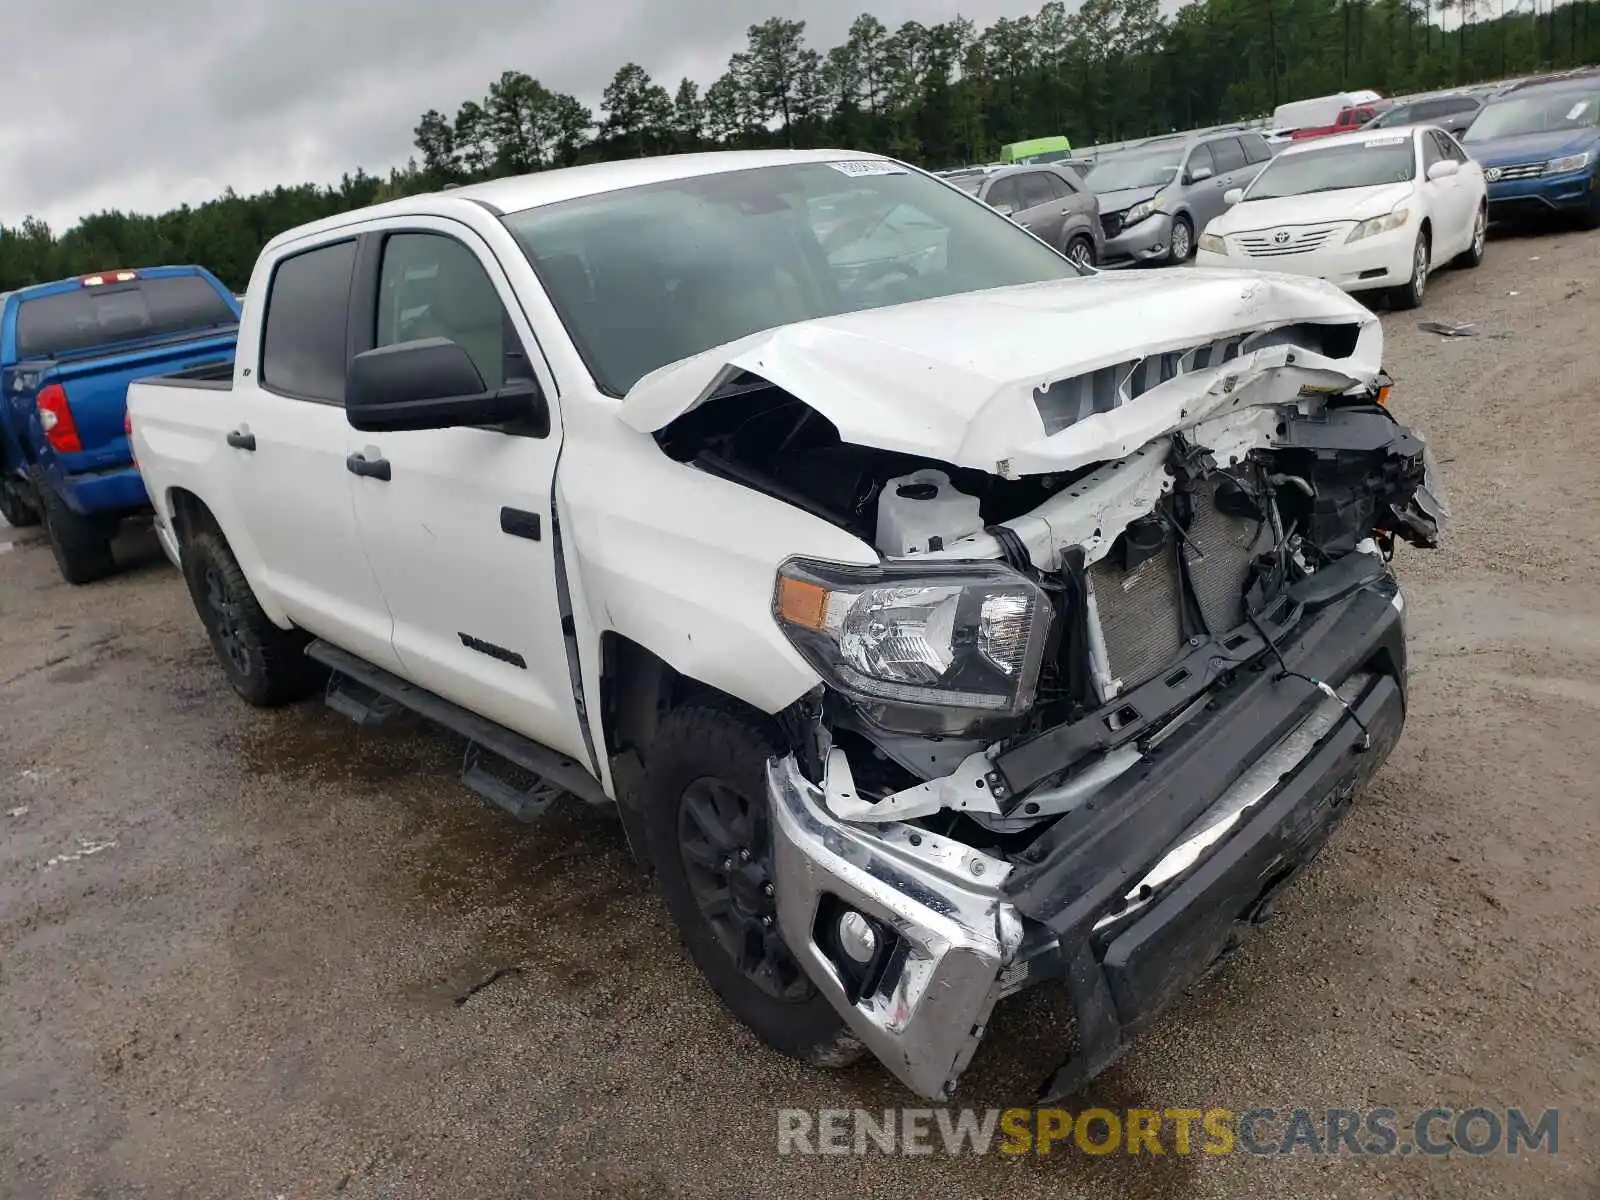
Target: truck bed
[[213, 376]]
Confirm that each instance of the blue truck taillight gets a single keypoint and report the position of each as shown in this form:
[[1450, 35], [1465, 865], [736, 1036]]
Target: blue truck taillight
[[55, 418]]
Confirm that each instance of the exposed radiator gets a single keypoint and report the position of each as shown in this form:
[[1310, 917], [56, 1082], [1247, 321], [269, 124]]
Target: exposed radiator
[[1139, 609]]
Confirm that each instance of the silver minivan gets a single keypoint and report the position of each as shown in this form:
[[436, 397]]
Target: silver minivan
[[1049, 200], [1157, 196]]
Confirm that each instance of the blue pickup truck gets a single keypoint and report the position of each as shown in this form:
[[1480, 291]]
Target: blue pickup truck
[[68, 351]]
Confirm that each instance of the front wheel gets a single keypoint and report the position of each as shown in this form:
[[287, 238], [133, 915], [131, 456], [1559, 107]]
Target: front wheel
[[1182, 240], [1410, 293], [710, 841], [266, 665], [1472, 256], [15, 506]]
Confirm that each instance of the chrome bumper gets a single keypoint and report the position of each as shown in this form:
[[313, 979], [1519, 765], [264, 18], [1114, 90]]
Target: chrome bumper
[[943, 901]]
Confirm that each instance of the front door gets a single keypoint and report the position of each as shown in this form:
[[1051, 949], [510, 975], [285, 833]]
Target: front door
[[459, 527]]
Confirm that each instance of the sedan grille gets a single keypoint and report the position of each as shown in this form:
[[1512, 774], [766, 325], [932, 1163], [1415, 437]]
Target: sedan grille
[[1286, 241], [1140, 609]]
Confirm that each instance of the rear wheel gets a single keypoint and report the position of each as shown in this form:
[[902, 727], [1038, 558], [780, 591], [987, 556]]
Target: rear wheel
[[81, 545], [1410, 293], [1182, 240], [266, 665], [710, 842], [1081, 251]]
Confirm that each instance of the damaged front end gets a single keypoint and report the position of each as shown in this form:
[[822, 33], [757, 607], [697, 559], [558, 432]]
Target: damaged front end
[[1097, 701]]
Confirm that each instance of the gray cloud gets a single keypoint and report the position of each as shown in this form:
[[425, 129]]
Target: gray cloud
[[141, 107]]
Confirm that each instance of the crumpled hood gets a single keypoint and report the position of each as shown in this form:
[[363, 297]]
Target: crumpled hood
[[1125, 198], [1317, 208], [1037, 378]]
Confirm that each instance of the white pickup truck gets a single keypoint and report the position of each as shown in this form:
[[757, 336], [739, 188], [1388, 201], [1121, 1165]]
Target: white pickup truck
[[942, 617]]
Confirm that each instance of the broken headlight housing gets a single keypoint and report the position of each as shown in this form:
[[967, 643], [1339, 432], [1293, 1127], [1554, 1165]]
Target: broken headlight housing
[[922, 647]]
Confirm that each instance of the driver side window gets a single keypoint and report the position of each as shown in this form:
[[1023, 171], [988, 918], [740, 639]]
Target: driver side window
[[430, 285], [1430, 152]]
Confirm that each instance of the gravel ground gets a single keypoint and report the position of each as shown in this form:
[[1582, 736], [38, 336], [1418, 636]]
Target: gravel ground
[[263, 954]]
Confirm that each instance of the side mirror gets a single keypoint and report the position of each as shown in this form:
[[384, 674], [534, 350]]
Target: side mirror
[[432, 383], [1232, 196], [1200, 174], [1443, 169]]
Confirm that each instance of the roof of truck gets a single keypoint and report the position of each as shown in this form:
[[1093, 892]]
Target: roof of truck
[[519, 192]]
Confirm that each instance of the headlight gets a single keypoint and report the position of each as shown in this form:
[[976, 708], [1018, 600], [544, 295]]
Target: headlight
[[1568, 162], [1213, 244], [1145, 208], [1378, 225], [924, 646]]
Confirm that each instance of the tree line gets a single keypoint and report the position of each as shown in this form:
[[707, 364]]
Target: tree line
[[933, 94]]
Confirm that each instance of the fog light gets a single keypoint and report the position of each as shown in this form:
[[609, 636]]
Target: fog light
[[857, 938]]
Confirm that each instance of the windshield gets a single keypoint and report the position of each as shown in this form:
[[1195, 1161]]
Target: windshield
[[1151, 168], [649, 275], [119, 312], [1537, 112], [1353, 165]]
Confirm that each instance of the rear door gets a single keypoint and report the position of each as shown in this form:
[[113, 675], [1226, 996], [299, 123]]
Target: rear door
[[459, 532], [287, 455], [1044, 206]]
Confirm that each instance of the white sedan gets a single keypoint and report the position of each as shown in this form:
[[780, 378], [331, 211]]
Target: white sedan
[[1364, 210]]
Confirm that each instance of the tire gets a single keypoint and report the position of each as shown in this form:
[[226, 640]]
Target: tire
[[266, 665], [1182, 232], [1080, 250], [15, 507], [704, 801], [1472, 256], [82, 545], [1589, 218], [1410, 294]]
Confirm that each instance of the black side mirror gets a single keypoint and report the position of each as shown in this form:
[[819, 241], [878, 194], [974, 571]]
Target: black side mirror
[[432, 383]]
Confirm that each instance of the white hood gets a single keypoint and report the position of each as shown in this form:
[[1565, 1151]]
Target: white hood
[[1316, 208], [955, 379]]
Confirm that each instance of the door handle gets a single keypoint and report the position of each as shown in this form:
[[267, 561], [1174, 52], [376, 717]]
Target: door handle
[[368, 468], [240, 440]]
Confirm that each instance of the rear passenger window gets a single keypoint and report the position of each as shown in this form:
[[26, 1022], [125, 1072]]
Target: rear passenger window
[[303, 348], [1227, 155], [1255, 147]]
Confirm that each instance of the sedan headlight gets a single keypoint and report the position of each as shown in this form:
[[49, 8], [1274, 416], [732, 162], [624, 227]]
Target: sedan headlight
[[1567, 162], [923, 646], [1145, 208], [1213, 244], [1376, 225]]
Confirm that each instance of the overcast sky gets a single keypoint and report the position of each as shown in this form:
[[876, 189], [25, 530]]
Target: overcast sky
[[142, 106]]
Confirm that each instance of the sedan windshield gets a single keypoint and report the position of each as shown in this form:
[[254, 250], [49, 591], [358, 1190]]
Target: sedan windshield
[[1136, 170], [1370, 163], [1537, 112], [649, 275]]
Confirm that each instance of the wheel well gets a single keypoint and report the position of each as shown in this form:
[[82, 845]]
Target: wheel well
[[189, 512], [1427, 230]]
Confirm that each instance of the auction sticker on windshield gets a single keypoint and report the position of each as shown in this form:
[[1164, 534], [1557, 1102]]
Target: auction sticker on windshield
[[1577, 110], [1397, 140], [867, 166]]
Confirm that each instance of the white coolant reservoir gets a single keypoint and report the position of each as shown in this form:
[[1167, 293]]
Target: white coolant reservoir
[[923, 511]]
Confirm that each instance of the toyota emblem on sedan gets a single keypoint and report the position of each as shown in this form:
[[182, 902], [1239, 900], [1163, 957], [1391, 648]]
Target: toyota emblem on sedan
[[1492, 174], [1281, 236]]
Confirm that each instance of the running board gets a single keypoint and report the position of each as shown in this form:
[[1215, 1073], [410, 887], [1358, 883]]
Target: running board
[[510, 771]]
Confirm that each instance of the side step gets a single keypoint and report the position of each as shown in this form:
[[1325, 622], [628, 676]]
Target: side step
[[510, 771]]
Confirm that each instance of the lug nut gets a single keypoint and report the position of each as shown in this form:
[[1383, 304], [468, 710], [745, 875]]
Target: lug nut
[[766, 889], [766, 922], [744, 856]]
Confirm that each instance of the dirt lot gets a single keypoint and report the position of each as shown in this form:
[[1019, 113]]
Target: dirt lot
[[242, 953]]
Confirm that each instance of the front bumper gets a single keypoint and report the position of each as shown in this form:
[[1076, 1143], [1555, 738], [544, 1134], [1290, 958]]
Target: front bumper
[[1569, 192], [1129, 899], [1150, 239], [1383, 260]]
